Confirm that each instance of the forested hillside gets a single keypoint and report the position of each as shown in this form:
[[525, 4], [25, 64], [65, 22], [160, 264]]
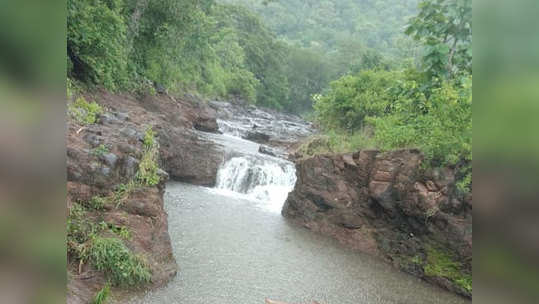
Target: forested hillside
[[225, 51], [177, 45], [339, 26]]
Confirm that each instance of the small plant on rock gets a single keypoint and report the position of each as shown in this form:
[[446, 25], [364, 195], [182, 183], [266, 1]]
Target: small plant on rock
[[119, 264], [100, 150], [102, 295], [98, 202], [84, 112], [121, 193], [147, 173]]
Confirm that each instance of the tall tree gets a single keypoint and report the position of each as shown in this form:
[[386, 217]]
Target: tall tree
[[445, 27]]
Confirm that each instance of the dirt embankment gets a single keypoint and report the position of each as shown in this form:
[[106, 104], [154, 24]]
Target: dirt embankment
[[387, 205], [105, 200]]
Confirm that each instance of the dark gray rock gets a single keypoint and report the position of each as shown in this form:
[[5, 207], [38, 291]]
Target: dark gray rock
[[92, 139], [108, 119], [130, 166], [122, 116], [266, 150], [110, 159], [257, 137]]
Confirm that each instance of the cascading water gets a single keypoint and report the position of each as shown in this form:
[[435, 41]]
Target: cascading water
[[265, 179], [247, 173]]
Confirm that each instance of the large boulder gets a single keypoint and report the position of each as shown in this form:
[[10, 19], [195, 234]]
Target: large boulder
[[188, 157], [388, 205]]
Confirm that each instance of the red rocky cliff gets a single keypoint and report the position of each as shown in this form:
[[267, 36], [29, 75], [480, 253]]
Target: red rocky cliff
[[387, 205]]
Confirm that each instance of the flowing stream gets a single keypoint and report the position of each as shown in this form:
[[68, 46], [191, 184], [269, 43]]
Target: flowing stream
[[233, 246]]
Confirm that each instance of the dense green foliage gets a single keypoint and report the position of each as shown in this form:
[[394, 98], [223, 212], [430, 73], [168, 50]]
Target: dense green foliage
[[355, 97], [96, 38], [384, 97], [445, 27], [226, 51], [84, 112], [259, 54], [427, 107], [337, 26], [178, 45]]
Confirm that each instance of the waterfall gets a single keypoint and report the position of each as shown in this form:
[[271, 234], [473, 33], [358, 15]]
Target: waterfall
[[264, 179]]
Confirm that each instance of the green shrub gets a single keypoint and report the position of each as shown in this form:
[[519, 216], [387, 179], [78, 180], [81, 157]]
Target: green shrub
[[121, 231], [121, 193], [102, 295], [333, 141], [80, 229], [96, 42], [441, 264], [98, 202], [118, 263], [149, 138], [84, 112], [353, 98], [147, 172], [441, 127], [394, 110]]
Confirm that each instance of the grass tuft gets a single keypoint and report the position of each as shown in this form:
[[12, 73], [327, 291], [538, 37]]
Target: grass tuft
[[442, 264], [119, 264], [102, 295]]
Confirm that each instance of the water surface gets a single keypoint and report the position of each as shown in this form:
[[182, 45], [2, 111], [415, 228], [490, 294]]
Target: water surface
[[239, 251]]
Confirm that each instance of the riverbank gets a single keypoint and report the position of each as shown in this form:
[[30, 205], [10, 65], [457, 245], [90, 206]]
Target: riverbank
[[121, 150]]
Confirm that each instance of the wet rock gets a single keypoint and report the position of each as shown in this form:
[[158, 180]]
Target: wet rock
[[163, 175], [127, 148], [108, 118], [129, 132], [257, 137], [246, 121], [93, 140], [207, 125], [122, 116], [105, 171], [384, 204], [131, 166], [110, 159], [159, 88], [187, 157], [267, 150]]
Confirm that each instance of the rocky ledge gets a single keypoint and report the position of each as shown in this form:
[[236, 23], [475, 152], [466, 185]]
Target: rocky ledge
[[388, 205], [106, 205]]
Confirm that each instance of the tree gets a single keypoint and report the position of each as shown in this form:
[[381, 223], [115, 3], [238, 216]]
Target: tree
[[445, 27], [96, 42], [308, 74]]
